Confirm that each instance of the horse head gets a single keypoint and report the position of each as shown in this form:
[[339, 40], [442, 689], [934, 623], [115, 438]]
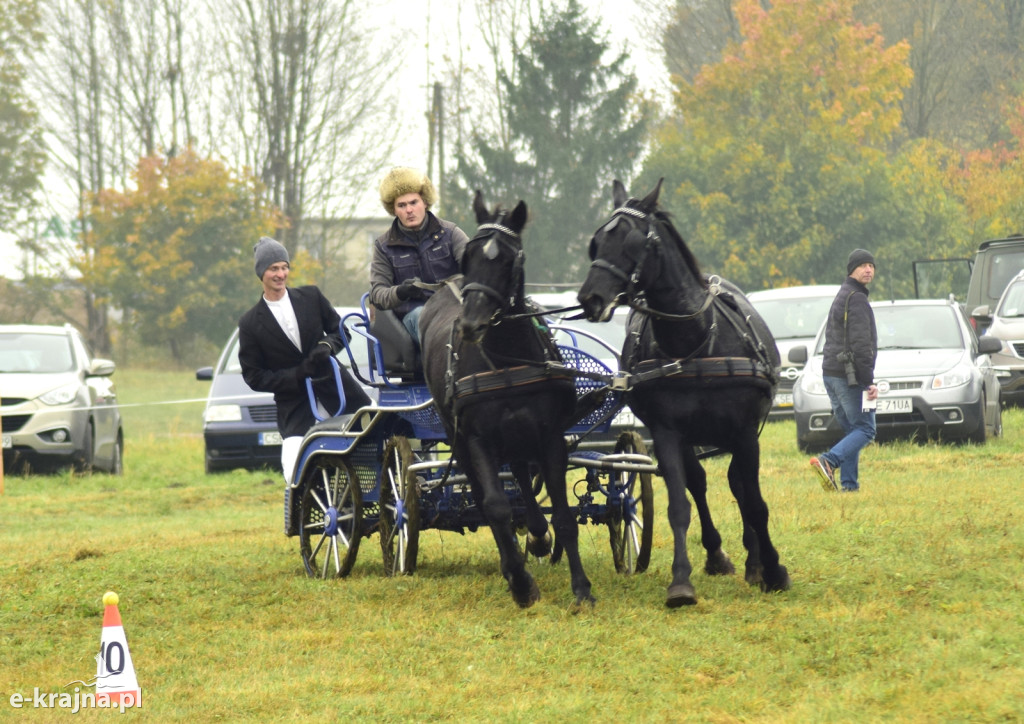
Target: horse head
[[618, 251], [492, 266]]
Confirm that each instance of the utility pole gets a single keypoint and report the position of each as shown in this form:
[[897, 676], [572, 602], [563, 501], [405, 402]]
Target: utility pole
[[435, 139]]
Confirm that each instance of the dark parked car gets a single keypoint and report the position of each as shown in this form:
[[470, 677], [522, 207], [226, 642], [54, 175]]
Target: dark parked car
[[59, 402], [935, 379], [996, 263], [793, 314], [240, 425]]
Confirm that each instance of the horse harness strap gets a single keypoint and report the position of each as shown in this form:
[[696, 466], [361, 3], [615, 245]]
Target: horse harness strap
[[704, 371], [509, 379]]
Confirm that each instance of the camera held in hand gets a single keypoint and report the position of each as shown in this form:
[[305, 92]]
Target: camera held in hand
[[851, 373]]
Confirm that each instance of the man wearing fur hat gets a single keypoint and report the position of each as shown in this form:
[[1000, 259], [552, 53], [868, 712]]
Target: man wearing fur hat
[[848, 366], [418, 247], [287, 337]]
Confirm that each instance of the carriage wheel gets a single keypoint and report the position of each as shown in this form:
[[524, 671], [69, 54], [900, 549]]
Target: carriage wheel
[[399, 509], [331, 520], [631, 511]]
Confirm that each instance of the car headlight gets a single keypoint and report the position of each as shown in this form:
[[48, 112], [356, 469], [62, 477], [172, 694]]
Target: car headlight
[[813, 384], [956, 377], [61, 395], [223, 413]]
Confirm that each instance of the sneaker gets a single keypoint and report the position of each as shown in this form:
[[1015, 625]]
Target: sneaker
[[825, 472]]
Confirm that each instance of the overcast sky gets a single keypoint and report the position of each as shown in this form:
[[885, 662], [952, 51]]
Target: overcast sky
[[418, 20]]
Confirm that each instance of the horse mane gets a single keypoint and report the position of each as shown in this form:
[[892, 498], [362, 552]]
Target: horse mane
[[664, 221]]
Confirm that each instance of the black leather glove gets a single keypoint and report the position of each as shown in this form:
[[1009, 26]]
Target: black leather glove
[[320, 359], [306, 368], [408, 290]]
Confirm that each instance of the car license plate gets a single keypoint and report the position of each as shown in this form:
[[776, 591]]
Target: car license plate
[[783, 399], [270, 438], [894, 405], [8, 442]]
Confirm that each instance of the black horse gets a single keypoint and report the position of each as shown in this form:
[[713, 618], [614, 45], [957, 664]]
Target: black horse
[[503, 395], [701, 365]]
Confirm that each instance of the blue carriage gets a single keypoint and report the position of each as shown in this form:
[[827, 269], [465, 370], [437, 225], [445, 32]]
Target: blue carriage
[[387, 469]]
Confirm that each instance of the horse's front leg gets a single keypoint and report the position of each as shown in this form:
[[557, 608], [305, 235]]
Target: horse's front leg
[[490, 496], [538, 537], [763, 565], [668, 449], [717, 563], [563, 519]]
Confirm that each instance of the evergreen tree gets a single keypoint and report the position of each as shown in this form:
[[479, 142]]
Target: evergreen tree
[[575, 121]]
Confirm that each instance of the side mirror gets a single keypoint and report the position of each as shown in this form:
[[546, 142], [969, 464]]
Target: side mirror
[[204, 373], [798, 355], [984, 311], [101, 368], [989, 345]]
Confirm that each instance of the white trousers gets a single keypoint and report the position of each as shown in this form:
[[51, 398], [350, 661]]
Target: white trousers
[[289, 456]]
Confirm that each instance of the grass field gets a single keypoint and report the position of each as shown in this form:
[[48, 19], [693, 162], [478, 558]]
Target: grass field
[[906, 603]]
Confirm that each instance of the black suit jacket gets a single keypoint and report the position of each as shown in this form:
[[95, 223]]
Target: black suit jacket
[[269, 360]]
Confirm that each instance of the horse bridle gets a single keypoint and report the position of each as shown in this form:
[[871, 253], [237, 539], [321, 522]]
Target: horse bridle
[[632, 280], [491, 252]]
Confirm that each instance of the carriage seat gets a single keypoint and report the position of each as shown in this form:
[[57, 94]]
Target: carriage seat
[[401, 357]]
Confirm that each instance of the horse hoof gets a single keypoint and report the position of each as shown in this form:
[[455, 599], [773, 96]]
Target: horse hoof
[[782, 584], [681, 594], [753, 577], [538, 547], [578, 606], [530, 597], [718, 564]]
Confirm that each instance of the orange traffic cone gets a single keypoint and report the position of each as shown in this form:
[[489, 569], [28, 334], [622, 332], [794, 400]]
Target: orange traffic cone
[[115, 673]]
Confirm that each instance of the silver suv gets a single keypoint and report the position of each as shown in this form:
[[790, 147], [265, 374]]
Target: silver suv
[[58, 402], [1007, 325]]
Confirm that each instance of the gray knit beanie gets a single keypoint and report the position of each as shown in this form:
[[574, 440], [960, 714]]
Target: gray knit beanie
[[858, 257], [268, 251]]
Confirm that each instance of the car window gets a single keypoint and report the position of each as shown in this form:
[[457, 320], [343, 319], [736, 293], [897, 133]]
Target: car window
[[794, 318], [37, 353], [1013, 301], [1005, 266], [917, 327]]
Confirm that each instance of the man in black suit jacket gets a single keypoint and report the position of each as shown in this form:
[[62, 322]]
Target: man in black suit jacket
[[286, 338]]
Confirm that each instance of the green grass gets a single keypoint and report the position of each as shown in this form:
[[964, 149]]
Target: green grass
[[906, 602]]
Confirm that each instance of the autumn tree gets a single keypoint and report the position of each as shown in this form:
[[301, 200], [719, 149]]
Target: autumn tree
[[175, 252], [776, 160], [989, 183], [575, 121]]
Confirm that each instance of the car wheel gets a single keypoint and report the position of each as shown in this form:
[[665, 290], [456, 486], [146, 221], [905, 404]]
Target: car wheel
[[117, 456], [997, 427], [978, 437], [84, 457]]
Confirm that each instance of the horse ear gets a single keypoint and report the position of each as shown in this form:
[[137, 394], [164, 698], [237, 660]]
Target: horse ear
[[479, 208], [518, 218], [652, 198], [619, 195]]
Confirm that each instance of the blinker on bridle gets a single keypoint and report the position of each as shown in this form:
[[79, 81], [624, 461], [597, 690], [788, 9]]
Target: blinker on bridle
[[490, 250]]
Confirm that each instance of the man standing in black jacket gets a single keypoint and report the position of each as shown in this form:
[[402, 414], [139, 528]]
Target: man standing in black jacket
[[287, 338], [848, 366]]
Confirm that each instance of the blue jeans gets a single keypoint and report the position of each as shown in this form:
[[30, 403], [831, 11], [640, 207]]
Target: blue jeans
[[858, 425], [412, 324]]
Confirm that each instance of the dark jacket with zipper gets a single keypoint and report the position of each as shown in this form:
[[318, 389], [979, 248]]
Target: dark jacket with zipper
[[851, 325]]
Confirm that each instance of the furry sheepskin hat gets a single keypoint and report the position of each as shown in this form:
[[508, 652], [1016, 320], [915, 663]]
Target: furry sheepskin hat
[[401, 181]]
